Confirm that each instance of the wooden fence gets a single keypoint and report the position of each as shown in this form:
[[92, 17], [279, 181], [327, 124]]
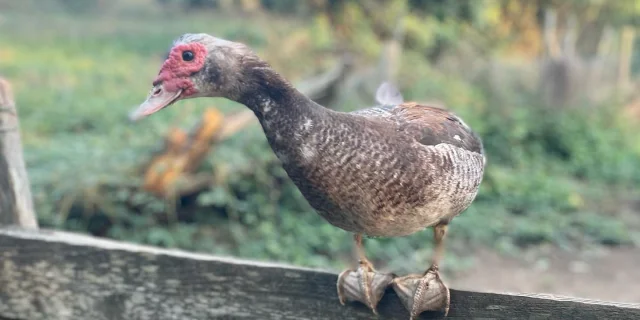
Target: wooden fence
[[55, 275]]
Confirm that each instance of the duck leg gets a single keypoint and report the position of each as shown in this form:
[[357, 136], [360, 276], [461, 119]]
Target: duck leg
[[425, 292], [365, 285]]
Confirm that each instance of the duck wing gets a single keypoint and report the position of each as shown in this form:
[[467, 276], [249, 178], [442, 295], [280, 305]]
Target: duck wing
[[431, 126], [428, 125]]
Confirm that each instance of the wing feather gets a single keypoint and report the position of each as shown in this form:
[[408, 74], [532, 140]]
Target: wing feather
[[432, 126]]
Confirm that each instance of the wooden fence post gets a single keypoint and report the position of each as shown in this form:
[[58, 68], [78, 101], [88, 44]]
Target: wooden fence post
[[16, 204]]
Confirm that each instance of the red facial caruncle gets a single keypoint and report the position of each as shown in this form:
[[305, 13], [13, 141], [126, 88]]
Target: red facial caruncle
[[176, 70], [174, 79]]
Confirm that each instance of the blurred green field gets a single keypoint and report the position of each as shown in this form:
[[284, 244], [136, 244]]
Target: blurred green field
[[562, 176]]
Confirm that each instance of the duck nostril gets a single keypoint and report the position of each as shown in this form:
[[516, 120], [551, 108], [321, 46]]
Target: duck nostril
[[157, 91]]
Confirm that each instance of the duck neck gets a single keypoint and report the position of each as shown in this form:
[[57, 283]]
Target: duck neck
[[281, 109]]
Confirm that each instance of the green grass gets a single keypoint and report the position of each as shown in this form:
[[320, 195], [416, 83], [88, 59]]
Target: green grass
[[78, 75]]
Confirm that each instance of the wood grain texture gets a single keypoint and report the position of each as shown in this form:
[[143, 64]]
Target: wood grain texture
[[16, 205], [55, 275]]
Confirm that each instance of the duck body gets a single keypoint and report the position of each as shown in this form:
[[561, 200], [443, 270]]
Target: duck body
[[384, 171]]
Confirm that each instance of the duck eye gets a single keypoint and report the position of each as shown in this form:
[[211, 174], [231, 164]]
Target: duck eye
[[187, 56]]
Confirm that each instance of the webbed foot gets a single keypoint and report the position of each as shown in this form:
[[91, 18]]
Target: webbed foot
[[421, 293], [364, 285]]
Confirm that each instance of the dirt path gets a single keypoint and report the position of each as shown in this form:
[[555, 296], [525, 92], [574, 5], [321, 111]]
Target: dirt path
[[610, 274]]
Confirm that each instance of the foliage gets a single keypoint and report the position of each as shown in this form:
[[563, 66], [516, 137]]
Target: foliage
[[550, 171]]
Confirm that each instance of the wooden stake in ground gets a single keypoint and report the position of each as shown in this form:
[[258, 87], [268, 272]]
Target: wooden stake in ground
[[16, 205]]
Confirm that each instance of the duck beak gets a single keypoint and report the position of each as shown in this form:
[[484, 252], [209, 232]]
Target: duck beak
[[158, 99]]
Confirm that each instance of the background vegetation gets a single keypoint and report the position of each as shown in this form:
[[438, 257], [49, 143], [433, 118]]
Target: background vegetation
[[559, 118]]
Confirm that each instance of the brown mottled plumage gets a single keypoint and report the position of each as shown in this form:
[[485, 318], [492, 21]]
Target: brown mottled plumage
[[384, 175], [389, 170]]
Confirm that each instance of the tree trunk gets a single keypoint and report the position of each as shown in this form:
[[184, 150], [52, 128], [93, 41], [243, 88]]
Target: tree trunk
[[16, 205], [624, 62]]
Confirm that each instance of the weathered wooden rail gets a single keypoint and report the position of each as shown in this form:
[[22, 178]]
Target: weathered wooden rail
[[56, 275]]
